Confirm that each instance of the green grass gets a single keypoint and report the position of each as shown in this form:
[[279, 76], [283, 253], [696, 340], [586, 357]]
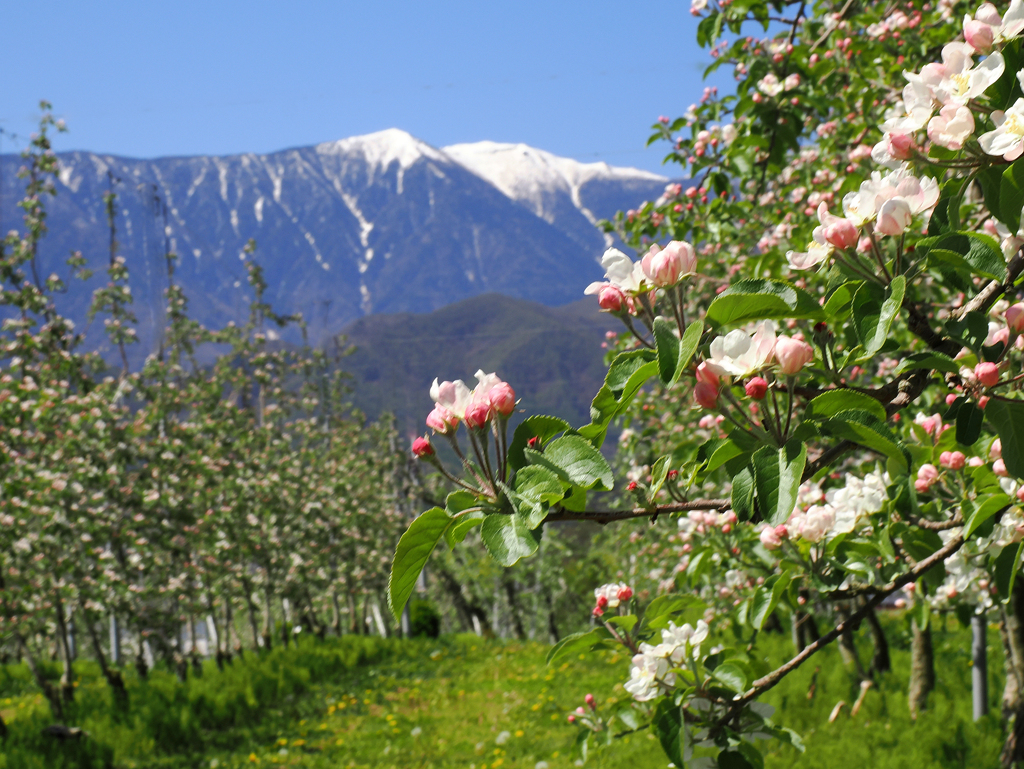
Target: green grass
[[358, 702]]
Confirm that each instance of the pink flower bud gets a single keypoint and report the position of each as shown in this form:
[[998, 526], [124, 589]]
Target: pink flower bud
[[625, 593], [477, 414], [589, 699], [950, 399], [894, 217], [632, 486], [864, 245], [926, 476], [756, 388], [602, 601], [422, 447], [665, 267], [502, 398], [999, 468], [995, 451], [580, 711], [953, 460], [782, 531], [610, 298], [975, 462], [999, 336], [729, 517], [979, 35], [792, 354], [572, 718], [706, 395], [441, 420], [982, 403], [770, 539], [707, 375], [987, 373], [1015, 317]]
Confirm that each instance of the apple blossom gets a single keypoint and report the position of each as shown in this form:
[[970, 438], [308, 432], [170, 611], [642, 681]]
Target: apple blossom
[[706, 395], [478, 413], [453, 396], [740, 354], [664, 267], [927, 475], [770, 539], [961, 79], [502, 399], [918, 106], [987, 373], [894, 217], [610, 297], [951, 127], [1015, 317], [953, 460], [441, 420], [999, 468], [1008, 137], [792, 354], [756, 388], [995, 451], [422, 447], [986, 28]]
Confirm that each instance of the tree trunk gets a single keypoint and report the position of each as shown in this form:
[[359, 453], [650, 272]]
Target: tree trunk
[[922, 668], [253, 624], [1012, 632], [67, 685], [268, 618], [463, 608], [880, 661], [113, 676], [514, 608], [336, 619], [51, 694]]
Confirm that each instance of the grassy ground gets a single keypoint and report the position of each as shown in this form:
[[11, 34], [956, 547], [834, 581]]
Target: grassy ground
[[464, 702]]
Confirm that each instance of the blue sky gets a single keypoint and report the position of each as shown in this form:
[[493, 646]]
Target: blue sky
[[581, 79]]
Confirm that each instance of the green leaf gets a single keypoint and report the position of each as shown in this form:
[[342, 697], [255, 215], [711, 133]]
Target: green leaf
[[541, 427], [1011, 195], [688, 346], [969, 252], [766, 598], [574, 644], [931, 361], [667, 725], [509, 538], [839, 303], [575, 459], [969, 419], [659, 472], [733, 676], [757, 299], [1006, 568], [462, 525], [414, 548], [628, 373], [874, 312], [830, 403], [668, 348], [1007, 417], [777, 474], [537, 488], [718, 454], [458, 501], [734, 759], [743, 493], [982, 509], [624, 366], [867, 430]]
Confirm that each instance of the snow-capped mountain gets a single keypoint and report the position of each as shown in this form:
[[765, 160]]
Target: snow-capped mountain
[[380, 223], [564, 192]]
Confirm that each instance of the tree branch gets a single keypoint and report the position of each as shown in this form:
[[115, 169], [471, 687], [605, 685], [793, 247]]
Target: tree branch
[[762, 685], [607, 516]]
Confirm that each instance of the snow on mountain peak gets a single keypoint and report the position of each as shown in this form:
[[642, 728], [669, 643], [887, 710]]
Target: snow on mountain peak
[[529, 175], [383, 148]]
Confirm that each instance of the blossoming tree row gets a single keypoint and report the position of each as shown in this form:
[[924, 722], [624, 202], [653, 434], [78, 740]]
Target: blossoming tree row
[[234, 488]]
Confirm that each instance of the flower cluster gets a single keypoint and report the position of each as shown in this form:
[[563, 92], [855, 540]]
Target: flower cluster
[[651, 673], [610, 596], [454, 402], [626, 280]]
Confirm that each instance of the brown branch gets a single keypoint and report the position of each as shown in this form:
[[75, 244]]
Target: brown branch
[[762, 685], [607, 516], [988, 295]]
